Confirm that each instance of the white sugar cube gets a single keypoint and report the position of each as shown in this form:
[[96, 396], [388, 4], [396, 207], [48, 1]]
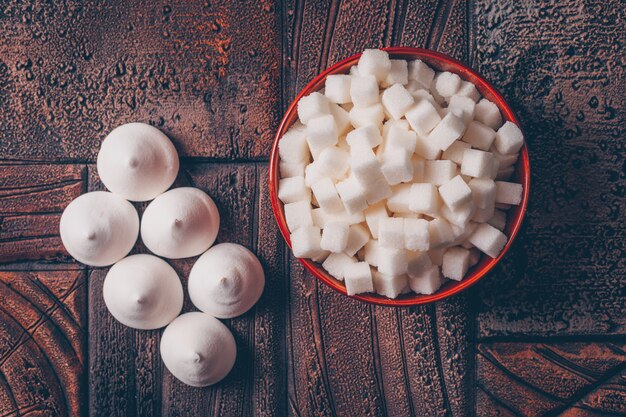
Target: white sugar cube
[[447, 131], [352, 195], [424, 198], [487, 113], [498, 220], [476, 163], [461, 233], [365, 165], [398, 73], [455, 192], [322, 217], [335, 237], [372, 252], [371, 115], [416, 235], [399, 138], [293, 147], [298, 214], [483, 192], [426, 148], [376, 191], [427, 282], [482, 215], [312, 106], [421, 72], [342, 119], [374, 62], [305, 242], [436, 255], [397, 100], [468, 89], [313, 173], [422, 94], [455, 263], [326, 194], [423, 117], [418, 168], [373, 214], [504, 161], [391, 233], [479, 135], [455, 152], [368, 136], [337, 88], [418, 263], [288, 169], [358, 278], [389, 286], [509, 139], [336, 263], [321, 133], [459, 216], [400, 198], [402, 124], [364, 91], [293, 189], [462, 107], [508, 193], [397, 166], [333, 161], [358, 236], [447, 83], [440, 232], [440, 171], [392, 261], [488, 239]]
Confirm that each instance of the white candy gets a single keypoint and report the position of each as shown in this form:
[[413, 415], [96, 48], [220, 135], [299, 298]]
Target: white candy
[[333, 161], [400, 198], [455, 263], [426, 148], [447, 83], [455, 193], [364, 91], [365, 165], [498, 220], [421, 73], [509, 139], [459, 216], [483, 192], [508, 193], [288, 169], [468, 89], [293, 147], [390, 286], [427, 282], [440, 171], [313, 173], [293, 189], [358, 278], [477, 163], [371, 115], [312, 106], [440, 232], [398, 73], [342, 119], [335, 237], [336, 263], [462, 107], [358, 236], [326, 195], [337, 88], [392, 261], [479, 135], [455, 152], [321, 132], [391, 232], [376, 191], [298, 214], [373, 214], [352, 195], [447, 131], [424, 198], [375, 62], [397, 100], [487, 113], [397, 166], [416, 234], [366, 136], [418, 263], [423, 117], [488, 239], [305, 242]]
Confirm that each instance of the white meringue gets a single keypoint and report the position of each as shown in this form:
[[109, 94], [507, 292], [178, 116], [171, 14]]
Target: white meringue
[[180, 223], [137, 161], [198, 349], [226, 281], [143, 292], [99, 228]]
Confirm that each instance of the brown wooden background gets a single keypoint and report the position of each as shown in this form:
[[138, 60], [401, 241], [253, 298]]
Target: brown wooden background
[[544, 335]]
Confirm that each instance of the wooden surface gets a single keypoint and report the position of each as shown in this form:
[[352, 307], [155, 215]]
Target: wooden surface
[[544, 335]]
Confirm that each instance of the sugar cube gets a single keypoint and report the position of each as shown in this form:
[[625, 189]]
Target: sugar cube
[[440, 232], [358, 236], [416, 236], [397, 100], [390, 286], [424, 198], [293, 189], [358, 278], [337, 88], [368, 136], [374, 62], [399, 138], [418, 168], [455, 152], [459, 216], [322, 217], [364, 91], [462, 107], [447, 83], [509, 139], [468, 89], [342, 118], [365, 165], [321, 256], [400, 198], [508, 193], [326, 194], [440, 171], [427, 282], [447, 131], [291, 169], [418, 263], [461, 233], [487, 113], [402, 124], [321, 132], [398, 73], [504, 161], [335, 264], [293, 147], [479, 135], [488, 239], [335, 237], [373, 214], [391, 232], [371, 115], [455, 263], [483, 192], [426, 148], [421, 72], [305, 242], [436, 255], [482, 215], [455, 192], [352, 195], [422, 94], [376, 191], [333, 161], [298, 214], [312, 106], [397, 166], [476, 163], [392, 261], [498, 220], [423, 117], [372, 252]]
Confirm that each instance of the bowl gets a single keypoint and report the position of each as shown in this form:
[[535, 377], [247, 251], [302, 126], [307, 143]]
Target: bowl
[[515, 214]]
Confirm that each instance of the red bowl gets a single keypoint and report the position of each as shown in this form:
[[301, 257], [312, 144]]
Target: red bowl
[[521, 175]]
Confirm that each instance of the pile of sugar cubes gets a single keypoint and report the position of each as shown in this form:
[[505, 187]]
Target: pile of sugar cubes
[[407, 184]]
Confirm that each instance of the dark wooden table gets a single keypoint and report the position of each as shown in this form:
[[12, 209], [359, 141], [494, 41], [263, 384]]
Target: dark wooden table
[[543, 335]]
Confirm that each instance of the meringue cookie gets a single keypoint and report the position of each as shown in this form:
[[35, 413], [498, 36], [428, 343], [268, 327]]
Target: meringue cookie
[[226, 281], [143, 292], [99, 228], [180, 223], [198, 349], [137, 161]]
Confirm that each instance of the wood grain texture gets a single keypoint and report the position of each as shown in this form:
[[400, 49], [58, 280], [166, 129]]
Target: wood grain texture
[[558, 65], [204, 73], [42, 338]]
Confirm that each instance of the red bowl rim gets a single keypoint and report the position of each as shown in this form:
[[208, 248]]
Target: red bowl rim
[[522, 170]]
